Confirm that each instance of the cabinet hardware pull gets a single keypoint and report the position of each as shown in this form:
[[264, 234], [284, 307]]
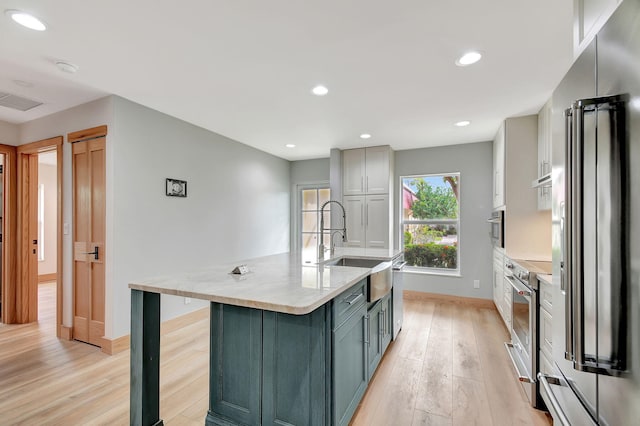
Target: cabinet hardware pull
[[353, 298], [366, 329]]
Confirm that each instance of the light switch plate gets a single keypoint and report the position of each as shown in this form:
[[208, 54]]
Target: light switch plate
[[476, 283]]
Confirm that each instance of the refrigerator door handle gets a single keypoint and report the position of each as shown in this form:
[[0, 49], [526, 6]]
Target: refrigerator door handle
[[576, 233], [566, 276], [609, 236]]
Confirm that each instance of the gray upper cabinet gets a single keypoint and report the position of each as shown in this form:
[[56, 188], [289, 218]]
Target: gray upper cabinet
[[366, 170]]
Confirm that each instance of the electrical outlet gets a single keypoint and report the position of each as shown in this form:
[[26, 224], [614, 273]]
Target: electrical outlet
[[187, 300], [476, 283]]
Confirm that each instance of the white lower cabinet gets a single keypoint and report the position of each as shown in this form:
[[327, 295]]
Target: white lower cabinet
[[545, 327], [367, 219], [498, 277], [507, 300]]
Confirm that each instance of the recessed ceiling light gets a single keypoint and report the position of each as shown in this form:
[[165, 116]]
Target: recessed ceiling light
[[26, 20], [319, 90], [463, 123], [468, 59], [67, 67], [365, 136], [290, 145]]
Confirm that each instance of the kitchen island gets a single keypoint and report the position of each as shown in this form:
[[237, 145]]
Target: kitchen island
[[285, 339]]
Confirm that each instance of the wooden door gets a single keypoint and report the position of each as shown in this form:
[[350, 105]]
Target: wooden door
[[88, 240]]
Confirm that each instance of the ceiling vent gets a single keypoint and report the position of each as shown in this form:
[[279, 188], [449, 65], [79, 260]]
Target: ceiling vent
[[17, 102]]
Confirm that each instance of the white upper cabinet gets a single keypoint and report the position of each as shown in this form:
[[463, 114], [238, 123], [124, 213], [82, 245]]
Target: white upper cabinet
[[367, 221], [376, 221], [367, 195], [366, 170], [544, 156], [498, 168], [588, 17], [354, 211], [377, 170], [527, 231], [353, 171]]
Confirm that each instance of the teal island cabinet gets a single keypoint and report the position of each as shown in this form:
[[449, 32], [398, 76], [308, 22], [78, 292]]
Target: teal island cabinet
[[290, 344]]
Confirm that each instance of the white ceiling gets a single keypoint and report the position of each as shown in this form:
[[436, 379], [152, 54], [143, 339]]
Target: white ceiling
[[245, 69]]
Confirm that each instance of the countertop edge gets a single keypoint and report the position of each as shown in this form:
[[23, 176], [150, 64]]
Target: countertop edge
[[274, 307], [546, 278]]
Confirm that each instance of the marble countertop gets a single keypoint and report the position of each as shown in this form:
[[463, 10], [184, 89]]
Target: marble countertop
[[281, 283]]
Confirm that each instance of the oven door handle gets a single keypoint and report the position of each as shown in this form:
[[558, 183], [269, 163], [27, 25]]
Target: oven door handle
[[521, 289], [523, 376]]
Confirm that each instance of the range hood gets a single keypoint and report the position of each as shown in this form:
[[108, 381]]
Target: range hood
[[542, 181]]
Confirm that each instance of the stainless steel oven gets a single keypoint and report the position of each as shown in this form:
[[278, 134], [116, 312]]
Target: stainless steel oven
[[496, 222], [523, 348]]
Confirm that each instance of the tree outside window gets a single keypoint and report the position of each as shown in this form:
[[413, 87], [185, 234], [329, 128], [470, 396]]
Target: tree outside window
[[431, 221]]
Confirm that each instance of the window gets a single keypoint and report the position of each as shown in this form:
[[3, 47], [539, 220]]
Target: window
[[312, 200], [431, 221]]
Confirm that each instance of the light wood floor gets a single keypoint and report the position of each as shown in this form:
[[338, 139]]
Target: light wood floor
[[448, 366]]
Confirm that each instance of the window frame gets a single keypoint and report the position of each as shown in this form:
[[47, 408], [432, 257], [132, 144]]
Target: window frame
[[402, 222], [298, 214]]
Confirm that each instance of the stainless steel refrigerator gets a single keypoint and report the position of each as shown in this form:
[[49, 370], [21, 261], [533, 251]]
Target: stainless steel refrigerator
[[596, 231]]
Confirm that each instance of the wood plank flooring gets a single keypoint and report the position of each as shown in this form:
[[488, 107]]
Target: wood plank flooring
[[448, 367]]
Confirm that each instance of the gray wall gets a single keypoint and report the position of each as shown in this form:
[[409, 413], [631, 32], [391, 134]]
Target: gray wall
[[310, 171], [8, 133], [474, 163], [237, 203]]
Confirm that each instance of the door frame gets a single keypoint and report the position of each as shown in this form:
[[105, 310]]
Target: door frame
[[54, 144], [8, 235], [296, 210]]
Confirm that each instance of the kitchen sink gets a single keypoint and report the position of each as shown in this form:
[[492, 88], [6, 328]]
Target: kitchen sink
[[380, 280], [358, 263]]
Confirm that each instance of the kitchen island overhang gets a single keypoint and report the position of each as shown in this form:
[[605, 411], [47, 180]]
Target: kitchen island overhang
[[281, 286]]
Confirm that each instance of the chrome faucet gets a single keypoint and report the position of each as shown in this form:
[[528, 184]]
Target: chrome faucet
[[343, 231]]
